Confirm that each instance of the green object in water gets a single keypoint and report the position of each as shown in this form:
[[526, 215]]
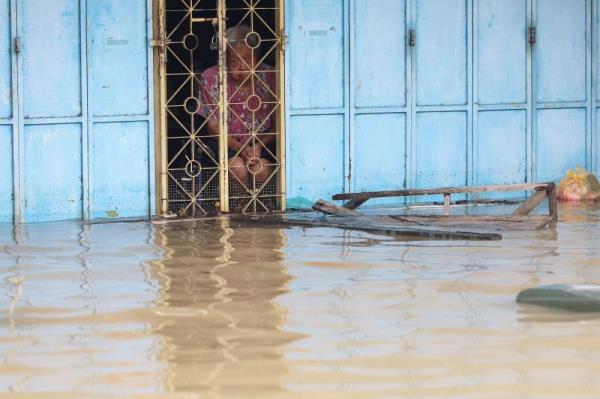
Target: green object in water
[[576, 297]]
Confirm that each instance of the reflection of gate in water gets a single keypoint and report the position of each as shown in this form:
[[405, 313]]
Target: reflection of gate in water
[[201, 173]]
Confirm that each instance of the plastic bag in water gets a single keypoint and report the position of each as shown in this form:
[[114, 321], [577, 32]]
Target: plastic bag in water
[[579, 185]]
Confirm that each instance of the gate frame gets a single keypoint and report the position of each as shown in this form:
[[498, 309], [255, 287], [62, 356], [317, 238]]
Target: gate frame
[[160, 94]]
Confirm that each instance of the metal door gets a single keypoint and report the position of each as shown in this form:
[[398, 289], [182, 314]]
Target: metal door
[[7, 109], [562, 67], [204, 107], [78, 143], [501, 84], [378, 105], [441, 93]]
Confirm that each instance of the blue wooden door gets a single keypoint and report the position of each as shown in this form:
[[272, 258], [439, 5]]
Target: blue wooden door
[[441, 93], [562, 87], [378, 94], [82, 130], [502, 103], [7, 111], [317, 100]]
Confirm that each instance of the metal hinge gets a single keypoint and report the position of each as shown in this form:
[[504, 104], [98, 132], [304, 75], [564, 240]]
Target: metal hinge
[[17, 45], [158, 42], [532, 35], [411, 38]]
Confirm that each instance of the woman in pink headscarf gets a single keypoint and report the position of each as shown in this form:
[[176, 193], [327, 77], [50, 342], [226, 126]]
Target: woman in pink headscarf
[[251, 108]]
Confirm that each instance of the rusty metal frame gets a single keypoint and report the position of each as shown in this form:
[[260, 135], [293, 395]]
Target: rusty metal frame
[[162, 101]]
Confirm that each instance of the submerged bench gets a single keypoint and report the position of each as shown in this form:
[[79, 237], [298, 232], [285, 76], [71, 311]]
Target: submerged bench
[[521, 215]]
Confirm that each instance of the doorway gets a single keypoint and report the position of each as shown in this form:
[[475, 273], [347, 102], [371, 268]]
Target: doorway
[[222, 114]]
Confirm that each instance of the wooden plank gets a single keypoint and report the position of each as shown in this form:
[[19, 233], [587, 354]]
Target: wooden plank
[[332, 209], [444, 190], [531, 203], [552, 205], [479, 222], [353, 204], [377, 228], [446, 204]]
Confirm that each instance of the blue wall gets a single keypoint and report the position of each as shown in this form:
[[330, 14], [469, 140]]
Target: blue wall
[[472, 102], [76, 122]]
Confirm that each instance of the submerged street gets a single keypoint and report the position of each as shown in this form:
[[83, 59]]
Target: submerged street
[[205, 309]]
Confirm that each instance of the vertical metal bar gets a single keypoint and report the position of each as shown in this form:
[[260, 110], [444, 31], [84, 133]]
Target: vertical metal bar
[[589, 100], [151, 122], [162, 68], [532, 147], [470, 32], [475, 97], [281, 117], [529, 96], [86, 109], [286, 89], [408, 51], [349, 100], [348, 93], [223, 109], [411, 160], [593, 91], [18, 120]]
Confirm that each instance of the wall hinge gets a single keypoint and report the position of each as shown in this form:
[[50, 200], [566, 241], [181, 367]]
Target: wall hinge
[[411, 38], [532, 35], [17, 45]]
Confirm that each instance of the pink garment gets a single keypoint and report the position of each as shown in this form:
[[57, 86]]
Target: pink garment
[[247, 107]]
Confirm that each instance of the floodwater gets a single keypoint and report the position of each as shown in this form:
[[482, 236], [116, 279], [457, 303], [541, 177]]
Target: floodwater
[[204, 310]]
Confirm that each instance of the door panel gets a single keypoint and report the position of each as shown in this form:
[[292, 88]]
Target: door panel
[[441, 51], [560, 143], [561, 50], [120, 170], [316, 158], [52, 172], [501, 51], [118, 38], [501, 141], [6, 166], [379, 57], [380, 152], [441, 149], [5, 61], [51, 58], [316, 54]]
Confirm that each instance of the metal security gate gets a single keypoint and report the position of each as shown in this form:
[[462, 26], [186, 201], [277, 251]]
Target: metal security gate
[[221, 64]]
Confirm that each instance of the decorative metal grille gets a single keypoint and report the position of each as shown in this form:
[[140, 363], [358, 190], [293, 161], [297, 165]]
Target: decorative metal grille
[[203, 172]]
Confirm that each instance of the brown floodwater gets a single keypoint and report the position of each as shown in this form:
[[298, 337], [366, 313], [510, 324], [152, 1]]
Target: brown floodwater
[[202, 309]]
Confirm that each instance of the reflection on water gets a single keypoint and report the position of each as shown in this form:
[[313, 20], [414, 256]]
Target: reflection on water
[[204, 309]]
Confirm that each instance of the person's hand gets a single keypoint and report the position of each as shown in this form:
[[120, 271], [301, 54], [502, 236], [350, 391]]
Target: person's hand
[[250, 153]]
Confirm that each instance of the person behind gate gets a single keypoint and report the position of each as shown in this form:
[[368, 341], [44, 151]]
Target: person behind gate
[[250, 95]]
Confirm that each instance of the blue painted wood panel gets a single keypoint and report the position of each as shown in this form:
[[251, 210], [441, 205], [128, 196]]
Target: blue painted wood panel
[[118, 55], [52, 172], [120, 185], [379, 56], [315, 157], [5, 60], [51, 64], [501, 51], [6, 177], [316, 52], [501, 147], [441, 52], [441, 149], [560, 142], [561, 50], [379, 163]]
